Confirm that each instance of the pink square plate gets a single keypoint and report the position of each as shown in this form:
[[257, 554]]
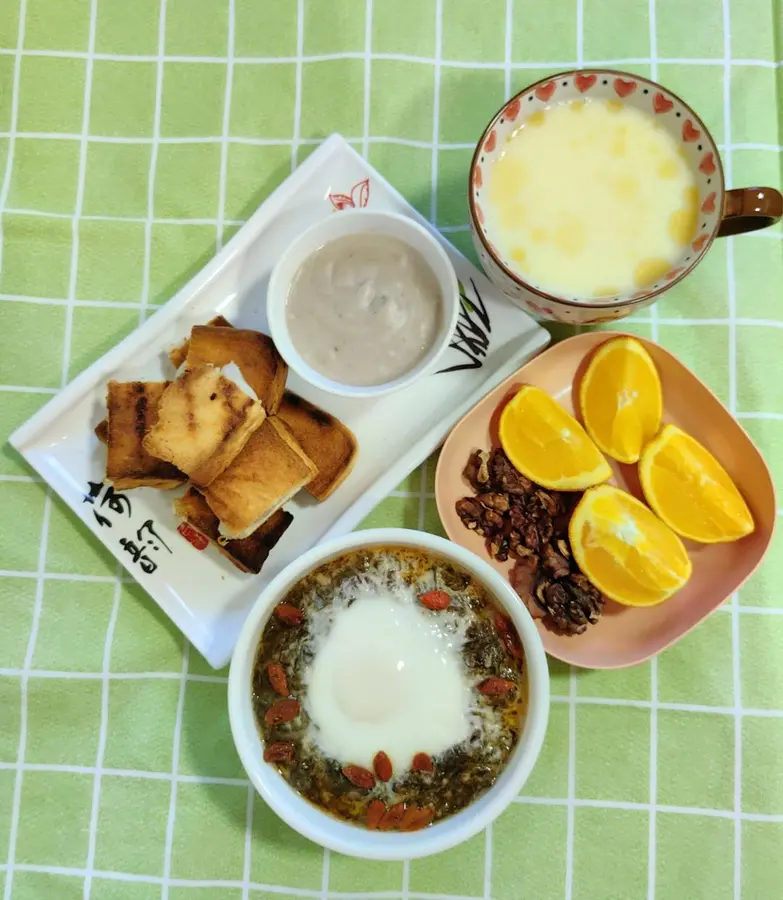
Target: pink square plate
[[625, 636]]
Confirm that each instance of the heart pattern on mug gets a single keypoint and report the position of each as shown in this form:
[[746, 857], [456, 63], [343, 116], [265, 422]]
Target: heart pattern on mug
[[584, 82], [707, 165], [544, 91], [512, 110], [618, 90], [689, 132], [623, 88], [661, 104]]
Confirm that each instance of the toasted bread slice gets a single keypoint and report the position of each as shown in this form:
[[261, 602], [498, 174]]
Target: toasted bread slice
[[261, 365], [249, 554], [328, 443], [204, 420], [178, 355], [132, 411], [266, 474]]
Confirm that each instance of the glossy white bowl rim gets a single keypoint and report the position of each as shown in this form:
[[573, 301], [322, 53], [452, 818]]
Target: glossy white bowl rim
[[360, 222], [352, 840]]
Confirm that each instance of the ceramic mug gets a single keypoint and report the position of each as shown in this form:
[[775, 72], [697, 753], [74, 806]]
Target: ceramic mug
[[723, 212]]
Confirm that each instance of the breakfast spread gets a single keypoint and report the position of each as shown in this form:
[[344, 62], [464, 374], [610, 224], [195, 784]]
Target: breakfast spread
[[214, 425], [364, 309], [389, 688], [590, 199]]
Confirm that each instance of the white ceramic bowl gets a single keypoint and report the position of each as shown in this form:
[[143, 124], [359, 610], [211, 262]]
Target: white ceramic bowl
[[351, 839], [361, 222]]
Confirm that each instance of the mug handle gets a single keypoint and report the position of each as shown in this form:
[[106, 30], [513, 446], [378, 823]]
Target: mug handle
[[749, 209]]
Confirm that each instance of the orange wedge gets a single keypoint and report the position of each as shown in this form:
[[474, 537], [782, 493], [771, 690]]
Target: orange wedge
[[625, 549], [621, 399], [547, 444], [691, 491]]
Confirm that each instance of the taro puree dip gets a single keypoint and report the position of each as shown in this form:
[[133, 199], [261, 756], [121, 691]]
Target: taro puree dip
[[364, 309]]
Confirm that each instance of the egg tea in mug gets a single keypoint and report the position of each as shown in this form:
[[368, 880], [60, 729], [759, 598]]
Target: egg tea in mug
[[591, 199]]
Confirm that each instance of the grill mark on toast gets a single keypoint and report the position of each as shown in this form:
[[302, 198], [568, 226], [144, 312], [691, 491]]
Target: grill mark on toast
[[236, 415], [318, 416]]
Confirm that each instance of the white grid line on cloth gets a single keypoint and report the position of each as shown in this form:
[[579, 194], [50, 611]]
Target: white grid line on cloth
[[155, 141], [571, 700], [732, 406], [16, 801], [324, 893], [436, 111], [653, 787], [103, 732], [398, 57], [226, 127], [115, 676], [129, 877], [14, 119], [296, 140], [22, 746], [273, 142], [248, 848], [175, 744], [645, 807], [81, 176], [367, 77]]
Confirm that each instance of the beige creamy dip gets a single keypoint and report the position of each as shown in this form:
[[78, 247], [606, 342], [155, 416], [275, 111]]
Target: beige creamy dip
[[364, 310]]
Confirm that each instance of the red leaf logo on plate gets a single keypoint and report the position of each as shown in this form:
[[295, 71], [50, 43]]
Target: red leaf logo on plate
[[478, 178], [359, 196], [661, 104], [512, 110], [491, 142], [192, 536], [700, 242], [623, 87], [673, 274], [689, 132], [341, 201], [544, 91], [709, 204], [707, 165], [584, 82], [361, 193]]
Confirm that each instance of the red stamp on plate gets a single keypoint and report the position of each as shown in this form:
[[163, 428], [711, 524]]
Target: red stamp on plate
[[193, 536]]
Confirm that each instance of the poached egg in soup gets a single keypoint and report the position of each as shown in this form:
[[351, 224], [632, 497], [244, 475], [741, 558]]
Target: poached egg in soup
[[402, 683]]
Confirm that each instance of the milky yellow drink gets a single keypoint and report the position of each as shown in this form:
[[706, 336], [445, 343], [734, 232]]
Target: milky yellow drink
[[591, 199]]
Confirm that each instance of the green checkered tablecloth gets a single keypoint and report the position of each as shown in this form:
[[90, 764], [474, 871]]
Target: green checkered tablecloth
[[135, 138]]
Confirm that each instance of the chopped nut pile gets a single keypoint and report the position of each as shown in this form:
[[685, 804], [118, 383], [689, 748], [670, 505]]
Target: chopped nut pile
[[529, 524]]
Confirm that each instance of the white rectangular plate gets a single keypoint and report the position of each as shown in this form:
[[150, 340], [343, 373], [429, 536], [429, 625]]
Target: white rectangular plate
[[205, 596]]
